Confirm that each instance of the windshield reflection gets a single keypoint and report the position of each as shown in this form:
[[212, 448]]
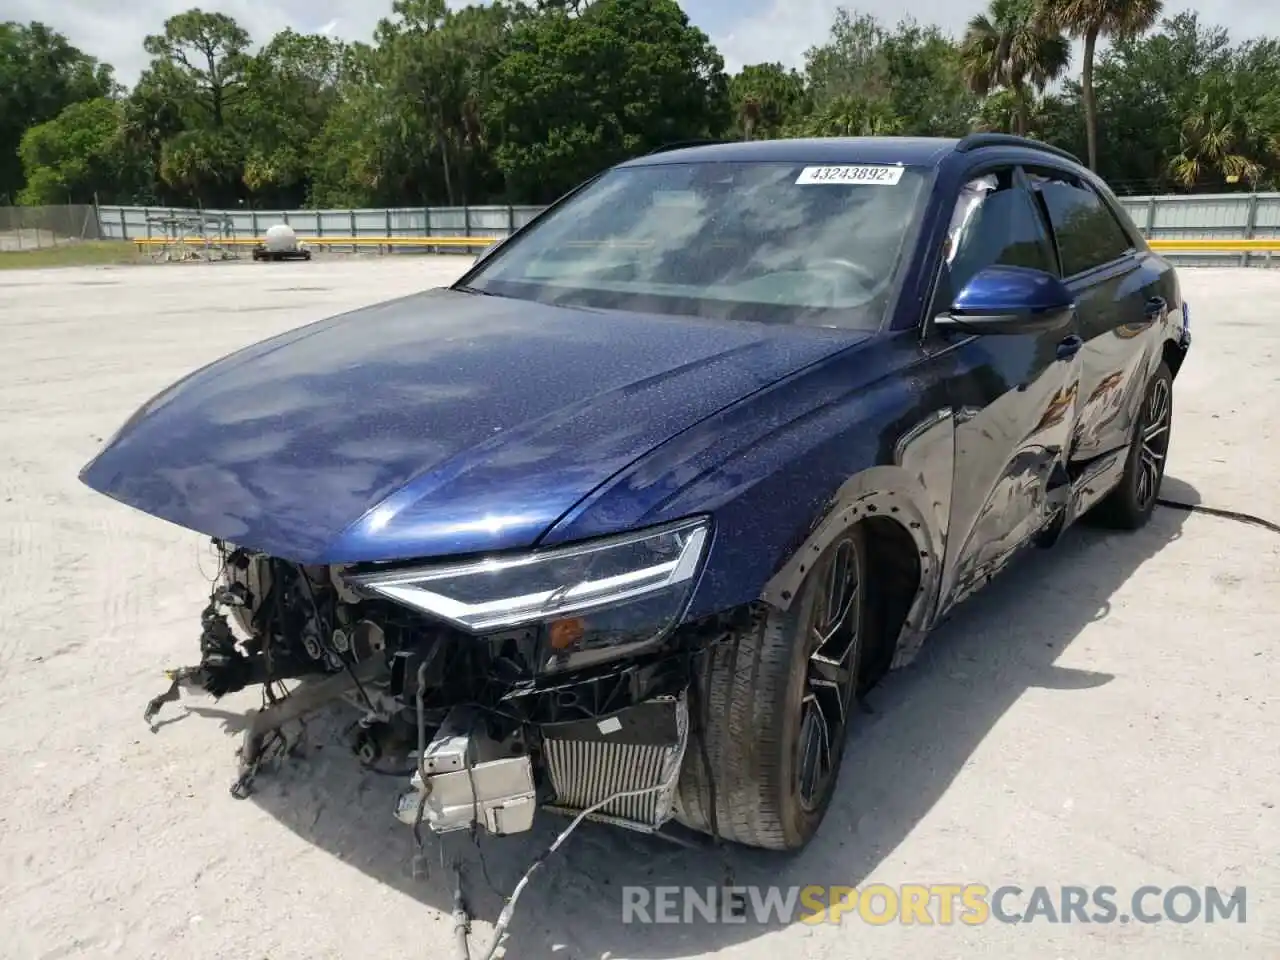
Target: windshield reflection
[[739, 241]]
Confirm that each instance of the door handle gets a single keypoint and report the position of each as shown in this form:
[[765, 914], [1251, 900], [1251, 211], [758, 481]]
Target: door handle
[[1155, 308], [1069, 347]]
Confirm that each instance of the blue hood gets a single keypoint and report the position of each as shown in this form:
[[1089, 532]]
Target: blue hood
[[442, 423]]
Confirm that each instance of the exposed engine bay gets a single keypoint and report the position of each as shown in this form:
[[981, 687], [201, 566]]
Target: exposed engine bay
[[482, 732]]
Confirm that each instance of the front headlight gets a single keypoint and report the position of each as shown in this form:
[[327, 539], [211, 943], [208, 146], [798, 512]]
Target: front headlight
[[610, 595]]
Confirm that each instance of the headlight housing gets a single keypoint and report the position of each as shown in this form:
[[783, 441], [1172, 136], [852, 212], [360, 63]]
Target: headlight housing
[[592, 601]]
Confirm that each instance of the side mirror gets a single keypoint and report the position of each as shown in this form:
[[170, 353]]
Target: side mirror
[[1009, 300]]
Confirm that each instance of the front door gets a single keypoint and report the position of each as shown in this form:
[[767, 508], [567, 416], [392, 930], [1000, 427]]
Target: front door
[[1015, 396]]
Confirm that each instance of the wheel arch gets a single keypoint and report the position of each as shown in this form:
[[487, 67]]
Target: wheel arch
[[904, 558], [1173, 353]]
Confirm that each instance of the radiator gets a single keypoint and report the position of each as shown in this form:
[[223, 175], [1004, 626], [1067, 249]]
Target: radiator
[[640, 748]]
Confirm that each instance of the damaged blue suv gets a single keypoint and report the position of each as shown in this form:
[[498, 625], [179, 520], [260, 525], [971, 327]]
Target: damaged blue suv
[[625, 520]]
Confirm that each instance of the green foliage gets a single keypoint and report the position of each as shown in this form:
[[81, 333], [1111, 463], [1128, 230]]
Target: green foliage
[[520, 100], [580, 91], [873, 80], [291, 88], [767, 99], [79, 153], [1011, 52], [1092, 19], [40, 74]]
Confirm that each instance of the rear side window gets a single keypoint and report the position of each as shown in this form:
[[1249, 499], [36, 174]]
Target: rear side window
[[1087, 231]]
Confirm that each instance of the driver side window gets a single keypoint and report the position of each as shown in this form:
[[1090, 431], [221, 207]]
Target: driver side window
[[995, 223]]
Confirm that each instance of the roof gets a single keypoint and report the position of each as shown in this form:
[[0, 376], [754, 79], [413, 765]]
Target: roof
[[915, 151], [911, 151]]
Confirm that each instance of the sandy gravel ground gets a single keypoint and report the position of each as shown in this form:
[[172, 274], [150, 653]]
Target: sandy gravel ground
[[1106, 714]]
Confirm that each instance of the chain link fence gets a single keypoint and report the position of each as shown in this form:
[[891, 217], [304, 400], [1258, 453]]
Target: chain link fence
[[32, 228]]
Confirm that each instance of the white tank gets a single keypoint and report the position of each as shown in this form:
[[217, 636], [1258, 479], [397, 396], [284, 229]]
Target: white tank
[[281, 238]]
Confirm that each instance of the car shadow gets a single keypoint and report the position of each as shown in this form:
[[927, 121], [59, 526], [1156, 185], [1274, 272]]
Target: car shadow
[[920, 726]]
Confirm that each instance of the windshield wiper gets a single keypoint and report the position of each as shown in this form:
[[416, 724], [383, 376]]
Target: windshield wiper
[[463, 288]]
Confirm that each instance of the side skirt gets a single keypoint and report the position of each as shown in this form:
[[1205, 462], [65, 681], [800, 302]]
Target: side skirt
[[1097, 478]]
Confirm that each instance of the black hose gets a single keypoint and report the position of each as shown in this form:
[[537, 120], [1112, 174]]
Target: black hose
[[1219, 512], [461, 918]]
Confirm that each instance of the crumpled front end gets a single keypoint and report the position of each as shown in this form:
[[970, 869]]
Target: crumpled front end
[[550, 680]]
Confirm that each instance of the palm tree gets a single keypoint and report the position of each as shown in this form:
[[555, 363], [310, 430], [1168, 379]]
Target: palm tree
[[1210, 147], [749, 113], [852, 116], [1092, 19], [1012, 47], [1230, 133], [1001, 110]]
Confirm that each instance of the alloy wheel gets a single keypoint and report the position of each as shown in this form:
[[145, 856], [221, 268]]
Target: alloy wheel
[[831, 673], [1153, 442]]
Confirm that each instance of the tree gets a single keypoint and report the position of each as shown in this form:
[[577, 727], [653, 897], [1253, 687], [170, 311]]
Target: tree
[[1092, 19], [1146, 88], [354, 161], [1231, 133], [198, 70], [77, 155], [41, 74], [290, 89], [852, 116], [767, 98], [909, 73], [204, 56], [852, 62], [437, 66], [520, 100], [580, 92], [926, 81], [1011, 47]]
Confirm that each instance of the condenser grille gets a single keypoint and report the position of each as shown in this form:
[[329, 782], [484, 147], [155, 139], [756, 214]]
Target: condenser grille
[[583, 773]]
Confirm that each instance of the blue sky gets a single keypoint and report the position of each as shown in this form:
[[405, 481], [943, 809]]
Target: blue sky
[[746, 31]]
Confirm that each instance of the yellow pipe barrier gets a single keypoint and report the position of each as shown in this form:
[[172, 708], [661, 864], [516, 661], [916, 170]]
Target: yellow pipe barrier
[[1213, 246], [1172, 246], [337, 241]]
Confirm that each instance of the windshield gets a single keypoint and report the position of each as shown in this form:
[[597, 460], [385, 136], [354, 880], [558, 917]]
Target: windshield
[[772, 242]]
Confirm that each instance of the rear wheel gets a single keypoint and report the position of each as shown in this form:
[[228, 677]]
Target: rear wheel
[[777, 702], [1130, 505]]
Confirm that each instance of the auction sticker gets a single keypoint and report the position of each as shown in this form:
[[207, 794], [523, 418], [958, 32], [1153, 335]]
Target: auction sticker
[[880, 176]]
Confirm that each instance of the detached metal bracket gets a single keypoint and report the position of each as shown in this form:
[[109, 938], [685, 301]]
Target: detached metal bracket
[[307, 698], [179, 678]]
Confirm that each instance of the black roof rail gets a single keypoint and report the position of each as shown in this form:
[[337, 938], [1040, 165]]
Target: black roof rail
[[976, 141], [684, 144]]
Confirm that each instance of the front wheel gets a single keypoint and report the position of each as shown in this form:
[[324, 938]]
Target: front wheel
[[776, 702], [1130, 505]]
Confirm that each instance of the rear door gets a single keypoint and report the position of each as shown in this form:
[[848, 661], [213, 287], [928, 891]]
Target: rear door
[[1122, 294], [1014, 394]]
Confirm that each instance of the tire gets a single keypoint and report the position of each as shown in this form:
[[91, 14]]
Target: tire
[[755, 698], [1129, 506]]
